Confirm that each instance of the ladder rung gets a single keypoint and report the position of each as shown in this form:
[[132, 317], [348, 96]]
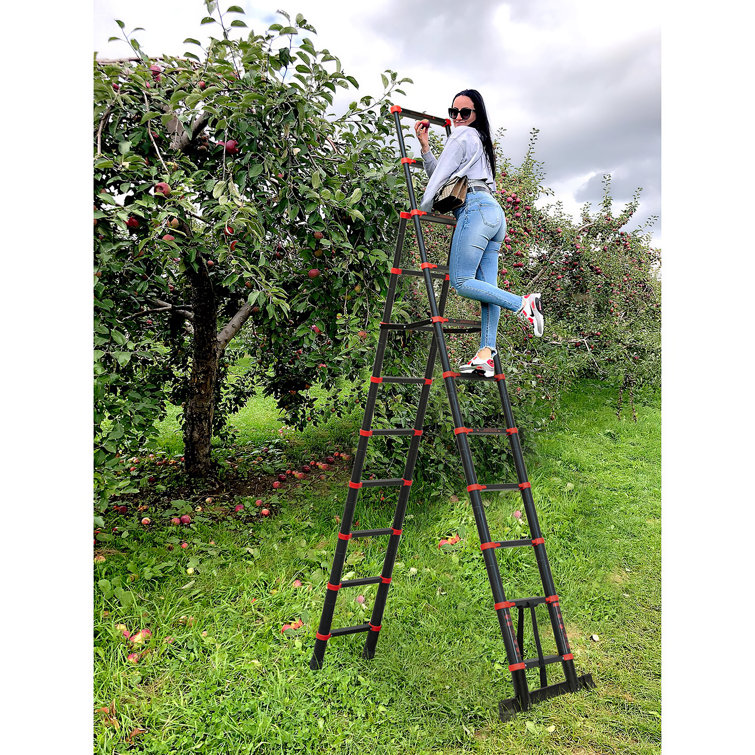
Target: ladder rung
[[513, 543], [371, 533], [502, 486], [439, 272], [394, 431], [472, 375], [469, 326], [361, 581], [487, 431], [535, 662], [433, 218], [350, 630], [394, 482], [404, 380]]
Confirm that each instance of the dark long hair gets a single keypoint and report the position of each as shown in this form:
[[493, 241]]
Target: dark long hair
[[481, 123]]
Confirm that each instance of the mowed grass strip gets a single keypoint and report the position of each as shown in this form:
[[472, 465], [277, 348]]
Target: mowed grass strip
[[221, 677]]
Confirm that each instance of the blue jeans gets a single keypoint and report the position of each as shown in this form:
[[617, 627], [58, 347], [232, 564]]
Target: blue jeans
[[480, 229]]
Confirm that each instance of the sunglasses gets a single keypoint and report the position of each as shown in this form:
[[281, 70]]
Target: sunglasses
[[465, 112]]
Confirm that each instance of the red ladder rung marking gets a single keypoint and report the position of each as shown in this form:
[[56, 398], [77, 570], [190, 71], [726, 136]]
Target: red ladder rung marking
[[407, 483], [428, 381], [324, 637], [404, 215], [524, 485], [374, 379], [417, 212], [551, 599], [417, 432], [438, 318], [512, 430], [374, 628], [341, 536], [458, 430], [386, 580], [568, 657], [407, 160], [517, 667], [396, 108], [426, 265], [451, 373], [396, 270], [486, 546], [335, 588], [500, 377], [366, 433], [355, 485], [396, 532], [470, 488], [538, 541]]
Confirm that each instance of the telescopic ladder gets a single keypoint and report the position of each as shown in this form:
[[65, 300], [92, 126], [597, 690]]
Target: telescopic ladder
[[438, 325]]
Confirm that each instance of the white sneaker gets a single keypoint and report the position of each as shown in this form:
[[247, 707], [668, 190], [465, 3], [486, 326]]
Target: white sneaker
[[483, 366], [532, 312]]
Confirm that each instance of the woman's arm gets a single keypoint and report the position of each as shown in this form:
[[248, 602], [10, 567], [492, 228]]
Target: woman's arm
[[450, 160]]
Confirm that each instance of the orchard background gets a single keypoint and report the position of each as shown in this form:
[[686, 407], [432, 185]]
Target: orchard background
[[242, 238]]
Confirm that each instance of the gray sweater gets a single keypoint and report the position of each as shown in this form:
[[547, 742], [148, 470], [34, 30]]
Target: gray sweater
[[461, 145]]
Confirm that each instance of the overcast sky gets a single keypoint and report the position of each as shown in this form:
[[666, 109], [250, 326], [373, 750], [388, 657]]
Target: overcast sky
[[584, 72]]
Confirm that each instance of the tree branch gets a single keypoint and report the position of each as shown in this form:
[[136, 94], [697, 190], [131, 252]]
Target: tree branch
[[233, 326], [103, 121]]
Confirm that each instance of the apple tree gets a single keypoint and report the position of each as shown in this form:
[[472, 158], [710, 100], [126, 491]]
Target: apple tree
[[228, 201]]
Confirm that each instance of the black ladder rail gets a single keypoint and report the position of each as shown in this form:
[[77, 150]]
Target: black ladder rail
[[438, 325]]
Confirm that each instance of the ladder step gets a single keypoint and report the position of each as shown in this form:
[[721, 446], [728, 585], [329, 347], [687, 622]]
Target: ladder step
[[394, 431], [371, 533], [469, 326], [437, 272], [394, 482], [512, 543], [350, 630], [487, 431], [535, 662], [404, 380], [361, 581], [502, 486]]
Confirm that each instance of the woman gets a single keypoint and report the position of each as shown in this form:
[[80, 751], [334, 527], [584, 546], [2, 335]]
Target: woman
[[480, 223]]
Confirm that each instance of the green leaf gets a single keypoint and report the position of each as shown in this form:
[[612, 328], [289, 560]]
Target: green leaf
[[238, 22], [356, 195], [208, 20], [192, 41], [235, 9], [120, 23], [124, 147]]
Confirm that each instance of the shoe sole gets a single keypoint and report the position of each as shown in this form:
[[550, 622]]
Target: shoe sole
[[539, 320]]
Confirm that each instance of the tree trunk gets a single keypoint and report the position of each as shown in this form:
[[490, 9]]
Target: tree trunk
[[200, 401]]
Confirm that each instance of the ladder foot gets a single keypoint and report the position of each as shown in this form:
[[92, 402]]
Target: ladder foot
[[509, 707]]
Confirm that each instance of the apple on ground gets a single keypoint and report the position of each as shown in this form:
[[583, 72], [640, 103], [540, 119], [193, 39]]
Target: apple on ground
[[265, 512]]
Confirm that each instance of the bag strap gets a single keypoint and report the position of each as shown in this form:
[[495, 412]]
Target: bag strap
[[459, 173]]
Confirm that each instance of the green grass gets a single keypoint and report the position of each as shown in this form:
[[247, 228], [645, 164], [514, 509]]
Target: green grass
[[231, 682]]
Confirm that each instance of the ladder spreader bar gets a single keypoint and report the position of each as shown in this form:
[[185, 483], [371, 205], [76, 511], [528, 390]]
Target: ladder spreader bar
[[394, 431], [349, 630], [361, 581], [535, 662], [417, 116]]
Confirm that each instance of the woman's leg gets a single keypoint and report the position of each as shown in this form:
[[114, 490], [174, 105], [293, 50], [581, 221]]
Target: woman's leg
[[480, 229]]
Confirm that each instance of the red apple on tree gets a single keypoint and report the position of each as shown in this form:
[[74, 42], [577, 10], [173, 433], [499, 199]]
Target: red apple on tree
[[314, 273], [162, 188]]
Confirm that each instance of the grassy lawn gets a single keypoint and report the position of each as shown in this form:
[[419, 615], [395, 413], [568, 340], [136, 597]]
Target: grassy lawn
[[217, 674]]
